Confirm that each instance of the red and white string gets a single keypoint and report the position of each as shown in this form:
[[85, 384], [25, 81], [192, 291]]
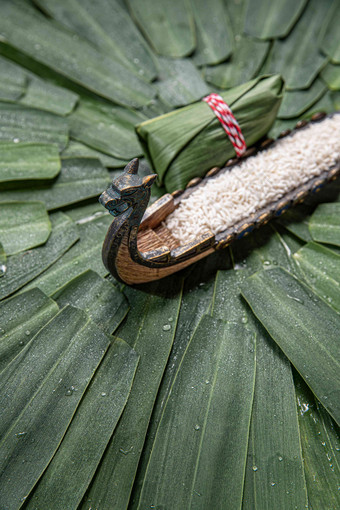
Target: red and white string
[[229, 123]]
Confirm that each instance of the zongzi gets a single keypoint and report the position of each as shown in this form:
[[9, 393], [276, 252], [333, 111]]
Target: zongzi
[[187, 142]]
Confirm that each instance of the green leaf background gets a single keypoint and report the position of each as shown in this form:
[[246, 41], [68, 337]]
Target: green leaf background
[[217, 387]]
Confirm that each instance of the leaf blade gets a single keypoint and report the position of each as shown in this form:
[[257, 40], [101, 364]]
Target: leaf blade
[[13, 81], [47, 409], [104, 304], [214, 37], [85, 254], [112, 484], [267, 19], [167, 26], [79, 179], [109, 27], [23, 124], [321, 269], [320, 447], [304, 327], [24, 267], [89, 432], [24, 27], [298, 57], [324, 224], [23, 225], [22, 316], [47, 96], [28, 161], [209, 454]]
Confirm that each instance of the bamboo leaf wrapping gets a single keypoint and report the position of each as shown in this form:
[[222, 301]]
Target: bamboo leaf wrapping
[[189, 141]]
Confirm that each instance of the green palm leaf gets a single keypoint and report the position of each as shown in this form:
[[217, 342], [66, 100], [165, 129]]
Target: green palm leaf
[[272, 19], [324, 224], [23, 225], [202, 414], [24, 267], [168, 26], [85, 440], [64, 372], [22, 316], [76, 77], [25, 161], [79, 179], [303, 326]]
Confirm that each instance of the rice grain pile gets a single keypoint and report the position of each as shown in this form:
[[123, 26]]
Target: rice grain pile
[[258, 181]]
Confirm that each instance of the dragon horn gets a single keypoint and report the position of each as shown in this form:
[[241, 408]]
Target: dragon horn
[[132, 167]]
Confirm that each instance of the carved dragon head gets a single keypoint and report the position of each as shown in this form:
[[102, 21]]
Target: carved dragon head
[[127, 190]]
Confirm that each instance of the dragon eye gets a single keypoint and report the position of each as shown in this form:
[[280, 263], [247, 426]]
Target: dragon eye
[[128, 192]]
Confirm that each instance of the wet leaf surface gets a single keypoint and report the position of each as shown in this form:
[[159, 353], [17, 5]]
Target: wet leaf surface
[[24, 267], [79, 179], [22, 316], [104, 303], [90, 430], [62, 370], [25, 161], [303, 326], [23, 225]]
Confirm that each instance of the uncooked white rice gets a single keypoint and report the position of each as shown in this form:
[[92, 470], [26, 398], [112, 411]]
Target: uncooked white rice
[[257, 181]]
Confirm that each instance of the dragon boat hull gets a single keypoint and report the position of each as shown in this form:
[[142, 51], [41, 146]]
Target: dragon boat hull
[[139, 248]]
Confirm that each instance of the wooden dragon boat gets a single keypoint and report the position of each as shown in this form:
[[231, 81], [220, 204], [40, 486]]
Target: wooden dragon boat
[[139, 248]]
